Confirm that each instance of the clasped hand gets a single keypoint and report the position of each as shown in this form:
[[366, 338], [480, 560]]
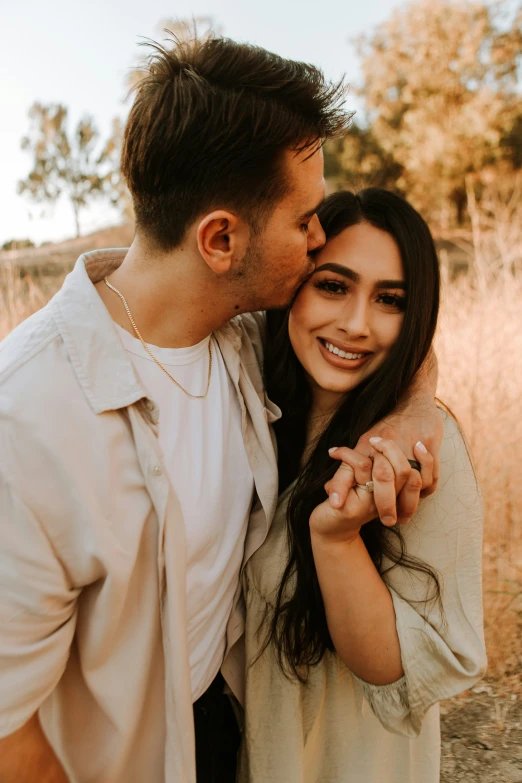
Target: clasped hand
[[397, 489]]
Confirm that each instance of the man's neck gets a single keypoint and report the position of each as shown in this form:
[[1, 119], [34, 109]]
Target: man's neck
[[172, 305]]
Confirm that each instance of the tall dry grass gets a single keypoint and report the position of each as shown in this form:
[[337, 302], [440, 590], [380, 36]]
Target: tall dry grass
[[479, 347], [21, 296]]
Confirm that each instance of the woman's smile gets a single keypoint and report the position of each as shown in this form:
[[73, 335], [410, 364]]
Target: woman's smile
[[344, 358]]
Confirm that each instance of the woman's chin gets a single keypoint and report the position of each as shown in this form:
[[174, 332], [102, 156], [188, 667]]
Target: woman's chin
[[337, 386]]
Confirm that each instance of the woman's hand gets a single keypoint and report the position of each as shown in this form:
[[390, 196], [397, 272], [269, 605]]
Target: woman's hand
[[341, 521], [349, 507]]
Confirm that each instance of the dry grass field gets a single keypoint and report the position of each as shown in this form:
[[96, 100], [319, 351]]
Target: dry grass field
[[479, 347]]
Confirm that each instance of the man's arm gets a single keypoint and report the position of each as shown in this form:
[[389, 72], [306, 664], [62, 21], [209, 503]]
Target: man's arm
[[416, 418], [27, 757], [37, 623]]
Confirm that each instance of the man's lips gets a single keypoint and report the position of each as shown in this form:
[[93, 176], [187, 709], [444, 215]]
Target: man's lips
[[343, 362]]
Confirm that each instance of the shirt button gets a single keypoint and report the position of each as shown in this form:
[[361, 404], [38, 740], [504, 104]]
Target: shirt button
[[157, 470]]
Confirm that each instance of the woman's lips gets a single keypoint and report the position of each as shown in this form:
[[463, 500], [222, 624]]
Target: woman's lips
[[338, 361]]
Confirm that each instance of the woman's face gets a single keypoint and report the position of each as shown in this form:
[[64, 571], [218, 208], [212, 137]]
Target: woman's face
[[347, 316]]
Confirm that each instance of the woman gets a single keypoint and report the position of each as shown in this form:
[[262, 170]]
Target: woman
[[356, 632]]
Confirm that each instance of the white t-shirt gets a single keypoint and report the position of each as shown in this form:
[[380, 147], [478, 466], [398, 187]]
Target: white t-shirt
[[206, 461]]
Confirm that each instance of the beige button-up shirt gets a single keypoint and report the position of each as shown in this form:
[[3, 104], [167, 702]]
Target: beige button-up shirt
[[92, 560]]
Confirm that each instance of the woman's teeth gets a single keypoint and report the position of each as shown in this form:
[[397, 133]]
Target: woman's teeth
[[342, 354]]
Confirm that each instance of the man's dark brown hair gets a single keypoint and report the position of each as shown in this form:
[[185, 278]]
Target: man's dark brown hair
[[208, 127]]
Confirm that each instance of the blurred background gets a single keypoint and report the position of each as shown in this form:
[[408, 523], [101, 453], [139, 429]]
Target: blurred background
[[437, 89]]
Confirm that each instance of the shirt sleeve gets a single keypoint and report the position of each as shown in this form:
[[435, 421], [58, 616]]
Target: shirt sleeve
[[37, 613], [442, 643]]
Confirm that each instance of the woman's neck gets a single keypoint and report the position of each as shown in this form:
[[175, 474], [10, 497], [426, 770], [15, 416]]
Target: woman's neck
[[324, 405]]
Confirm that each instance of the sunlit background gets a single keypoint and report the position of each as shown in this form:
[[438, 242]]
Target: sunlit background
[[437, 89], [81, 54]]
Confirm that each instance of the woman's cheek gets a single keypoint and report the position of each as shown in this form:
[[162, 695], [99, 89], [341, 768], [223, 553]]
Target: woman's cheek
[[299, 330]]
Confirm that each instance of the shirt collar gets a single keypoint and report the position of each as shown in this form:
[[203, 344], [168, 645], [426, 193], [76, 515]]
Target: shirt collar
[[102, 366]]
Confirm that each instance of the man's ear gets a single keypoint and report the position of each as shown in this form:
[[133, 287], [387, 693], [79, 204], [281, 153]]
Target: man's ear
[[222, 239]]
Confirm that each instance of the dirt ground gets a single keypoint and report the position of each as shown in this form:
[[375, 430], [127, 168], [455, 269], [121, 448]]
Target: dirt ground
[[482, 737]]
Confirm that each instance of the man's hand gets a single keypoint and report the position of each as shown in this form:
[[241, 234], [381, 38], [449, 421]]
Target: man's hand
[[418, 420]]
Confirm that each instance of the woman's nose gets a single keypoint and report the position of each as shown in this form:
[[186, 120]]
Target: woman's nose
[[355, 318], [316, 235]]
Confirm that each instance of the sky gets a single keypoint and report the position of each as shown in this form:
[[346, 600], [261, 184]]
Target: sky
[[79, 54]]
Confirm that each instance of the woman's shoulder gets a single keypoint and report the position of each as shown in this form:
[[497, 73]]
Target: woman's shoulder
[[455, 454], [457, 502]]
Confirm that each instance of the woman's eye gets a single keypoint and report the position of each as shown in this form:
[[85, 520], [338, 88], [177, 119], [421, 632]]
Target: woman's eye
[[393, 300], [305, 227], [331, 286]]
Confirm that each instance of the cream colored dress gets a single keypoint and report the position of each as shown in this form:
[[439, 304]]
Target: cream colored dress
[[337, 728]]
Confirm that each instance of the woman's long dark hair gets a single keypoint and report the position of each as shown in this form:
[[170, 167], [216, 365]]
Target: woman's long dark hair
[[298, 624]]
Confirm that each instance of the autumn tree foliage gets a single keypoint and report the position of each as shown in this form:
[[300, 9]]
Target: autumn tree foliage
[[442, 98], [73, 164]]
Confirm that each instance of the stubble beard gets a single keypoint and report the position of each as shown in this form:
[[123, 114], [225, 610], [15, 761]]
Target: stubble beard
[[255, 286]]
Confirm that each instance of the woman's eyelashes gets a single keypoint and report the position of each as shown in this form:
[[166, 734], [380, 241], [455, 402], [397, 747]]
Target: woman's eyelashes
[[331, 287], [394, 301], [391, 301]]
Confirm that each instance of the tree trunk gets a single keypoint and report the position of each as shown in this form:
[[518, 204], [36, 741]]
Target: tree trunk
[[76, 209]]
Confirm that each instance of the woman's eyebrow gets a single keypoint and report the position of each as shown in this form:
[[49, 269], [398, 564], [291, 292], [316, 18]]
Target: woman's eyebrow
[[345, 271], [391, 284]]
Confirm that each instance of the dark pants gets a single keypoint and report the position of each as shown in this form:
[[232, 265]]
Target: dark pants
[[217, 735]]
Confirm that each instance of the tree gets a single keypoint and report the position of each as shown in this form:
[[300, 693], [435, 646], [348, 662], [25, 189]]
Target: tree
[[359, 161], [63, 163], [441, 95]]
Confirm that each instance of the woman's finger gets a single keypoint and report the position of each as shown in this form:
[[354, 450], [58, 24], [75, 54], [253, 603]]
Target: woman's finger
[[355, 469], [341, 486]]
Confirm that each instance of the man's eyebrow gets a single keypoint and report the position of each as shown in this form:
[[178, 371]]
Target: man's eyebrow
[[345, 271], [311, 212]]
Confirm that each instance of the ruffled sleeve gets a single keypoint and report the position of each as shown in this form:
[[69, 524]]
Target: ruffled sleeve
[[442, 643]]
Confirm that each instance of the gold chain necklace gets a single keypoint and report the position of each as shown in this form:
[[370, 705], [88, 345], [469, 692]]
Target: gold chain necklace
[[131, 319]]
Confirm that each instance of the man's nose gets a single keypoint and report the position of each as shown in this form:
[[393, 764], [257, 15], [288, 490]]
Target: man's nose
[[316, 235]]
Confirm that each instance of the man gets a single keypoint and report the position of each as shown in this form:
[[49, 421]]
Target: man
[[134, 431]]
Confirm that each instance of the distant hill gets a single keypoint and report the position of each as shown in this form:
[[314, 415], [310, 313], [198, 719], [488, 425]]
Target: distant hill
[[52, 258]]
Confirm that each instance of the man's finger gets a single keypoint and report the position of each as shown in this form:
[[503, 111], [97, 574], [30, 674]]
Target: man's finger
[[408, 499], [430, 469], [394, 454], [384, 490]]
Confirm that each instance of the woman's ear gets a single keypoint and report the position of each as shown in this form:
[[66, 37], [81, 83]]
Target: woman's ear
[[222, 239]]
